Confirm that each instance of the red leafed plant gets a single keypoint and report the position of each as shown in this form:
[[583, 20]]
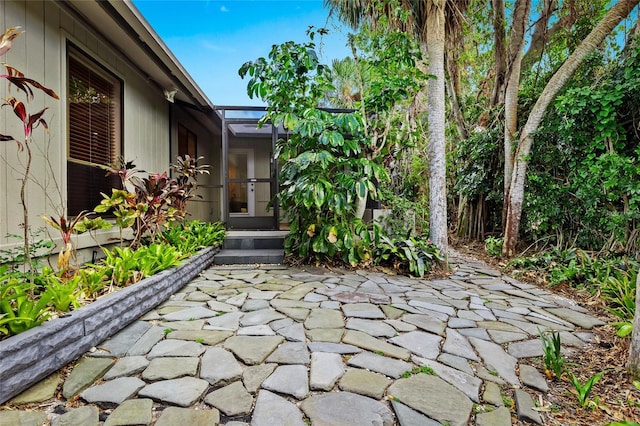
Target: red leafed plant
[[30, 121]]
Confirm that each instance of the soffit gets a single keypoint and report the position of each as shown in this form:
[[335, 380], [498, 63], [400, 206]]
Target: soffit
[[122, 25]]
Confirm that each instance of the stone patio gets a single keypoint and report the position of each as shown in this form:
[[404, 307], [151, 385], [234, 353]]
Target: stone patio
[[272, 345]]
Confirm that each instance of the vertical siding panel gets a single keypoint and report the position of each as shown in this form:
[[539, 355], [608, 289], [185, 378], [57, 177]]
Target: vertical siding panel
[[54, 62], [66, 22], [79, 32], [14, 16], [35, 69], [3, 147]]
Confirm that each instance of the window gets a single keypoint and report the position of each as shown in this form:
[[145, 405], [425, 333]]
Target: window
[[187, 142], [93, 101]]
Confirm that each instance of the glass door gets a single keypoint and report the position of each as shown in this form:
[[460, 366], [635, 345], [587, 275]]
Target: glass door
[[241, 182]]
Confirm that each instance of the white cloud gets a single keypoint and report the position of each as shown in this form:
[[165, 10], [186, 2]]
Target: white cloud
[[223, 9]]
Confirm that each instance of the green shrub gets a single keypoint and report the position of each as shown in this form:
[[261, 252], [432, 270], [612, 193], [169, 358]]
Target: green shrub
[[493, 246], [411, 254], [195, 235]]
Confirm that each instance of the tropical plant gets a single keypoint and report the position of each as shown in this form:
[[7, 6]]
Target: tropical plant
[[493, 246], [155, 200], [519, 157], [64, 290], [551, 349], [323, 171], [125, 266], [411, 254], [20, 310], [349, 81], [67, 227], [620, 291], [583, 390], [428, 22], [333, 162], [93, 280], [191, 236], [30, 122]]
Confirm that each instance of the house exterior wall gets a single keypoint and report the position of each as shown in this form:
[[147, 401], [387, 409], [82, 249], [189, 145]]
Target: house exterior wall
[[208, 205], [40, 53]]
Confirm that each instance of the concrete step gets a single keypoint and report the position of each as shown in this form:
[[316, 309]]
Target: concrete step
[[254, 240], [253, 243], [248, 257]]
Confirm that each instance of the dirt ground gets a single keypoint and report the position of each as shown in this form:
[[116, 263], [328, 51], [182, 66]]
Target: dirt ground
[[614, 398]]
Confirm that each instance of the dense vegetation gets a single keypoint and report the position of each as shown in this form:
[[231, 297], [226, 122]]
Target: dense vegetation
[[581, 206]]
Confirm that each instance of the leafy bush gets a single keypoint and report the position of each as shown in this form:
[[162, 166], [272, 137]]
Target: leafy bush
[[613, 277], [411, 254], [582, 186], [332, 162], [493, 246], [20, 308], [195, 235], [125, 266], [156, 199], [620, 292]]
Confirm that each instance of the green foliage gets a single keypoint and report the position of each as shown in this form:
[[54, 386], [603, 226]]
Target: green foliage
[[67, 227], [332, 162], [406, 218], [189, 237], [477, 167], [619, 290], [20, 308], [477, 164], [156, 199], [38, 248], [576, 267], [551, 348], [623, 328], [583, 390], [93, 280], [414, 255], [126, 266], [582, 182], [423, 369], [493, 246], [64, 291]]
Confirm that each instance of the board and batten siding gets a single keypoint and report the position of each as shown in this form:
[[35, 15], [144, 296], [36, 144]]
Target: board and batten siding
[[207, 206], [40, 53]]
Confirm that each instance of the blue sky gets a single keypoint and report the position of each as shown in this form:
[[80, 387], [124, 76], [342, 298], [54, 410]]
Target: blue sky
[[213, 38]]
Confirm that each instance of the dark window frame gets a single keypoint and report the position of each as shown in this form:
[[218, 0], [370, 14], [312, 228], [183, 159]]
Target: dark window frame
[[95, 97], [187, 142]]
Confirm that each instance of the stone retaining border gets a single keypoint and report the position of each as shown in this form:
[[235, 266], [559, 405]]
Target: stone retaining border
[[29, 357]]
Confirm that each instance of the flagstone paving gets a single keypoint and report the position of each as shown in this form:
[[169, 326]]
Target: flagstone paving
[[273, 345]]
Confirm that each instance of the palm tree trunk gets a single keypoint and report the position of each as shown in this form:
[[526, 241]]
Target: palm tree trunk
[[436, 121], [613, 17]]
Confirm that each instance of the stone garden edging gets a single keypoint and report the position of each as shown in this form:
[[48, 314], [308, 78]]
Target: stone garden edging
[[29, 357]]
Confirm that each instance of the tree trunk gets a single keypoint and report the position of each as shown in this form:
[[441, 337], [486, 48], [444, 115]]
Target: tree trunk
[[499, 52], [613, 17], [436, 122], [514, 62], [453, 91], [361, 206], [633, 363]]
